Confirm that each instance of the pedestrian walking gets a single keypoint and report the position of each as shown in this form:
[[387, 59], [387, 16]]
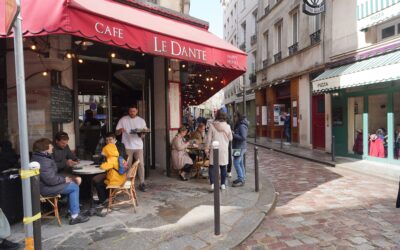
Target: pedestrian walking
[[239, 147]]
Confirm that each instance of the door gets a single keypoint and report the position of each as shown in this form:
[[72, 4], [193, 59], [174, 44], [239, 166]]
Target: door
[[318, 121]]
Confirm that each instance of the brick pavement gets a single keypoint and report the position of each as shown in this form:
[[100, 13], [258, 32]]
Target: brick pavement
[[326, 208]]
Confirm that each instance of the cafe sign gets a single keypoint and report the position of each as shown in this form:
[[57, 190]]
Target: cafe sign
[[313, 7]]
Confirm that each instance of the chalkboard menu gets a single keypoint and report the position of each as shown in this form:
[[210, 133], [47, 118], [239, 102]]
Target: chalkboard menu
[[61, 104]]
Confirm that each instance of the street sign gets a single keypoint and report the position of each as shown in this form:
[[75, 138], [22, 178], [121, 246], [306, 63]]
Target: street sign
[[11, 10]]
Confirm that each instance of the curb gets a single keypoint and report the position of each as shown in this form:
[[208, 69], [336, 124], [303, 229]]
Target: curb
[[330, 164]]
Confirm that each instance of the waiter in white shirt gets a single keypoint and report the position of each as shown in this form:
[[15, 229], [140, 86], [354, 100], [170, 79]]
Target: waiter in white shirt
[[133, 141]]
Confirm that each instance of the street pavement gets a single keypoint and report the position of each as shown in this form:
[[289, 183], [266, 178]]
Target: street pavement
[[321, 207]]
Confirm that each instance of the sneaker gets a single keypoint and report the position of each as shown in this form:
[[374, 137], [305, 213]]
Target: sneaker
[[287, 143], [212, 187], [223, 187], [142, 187], [229, 174], [79, 219], [238, 184], [183, 176], [6, 244], [236, 181]]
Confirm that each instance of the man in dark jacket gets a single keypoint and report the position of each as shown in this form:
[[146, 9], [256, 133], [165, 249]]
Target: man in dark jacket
[[62, 154], [286, 127], [239, 147], [52, 183]]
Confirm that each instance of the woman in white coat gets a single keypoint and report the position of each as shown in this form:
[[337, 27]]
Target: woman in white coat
[[219, 131], [180, 158]]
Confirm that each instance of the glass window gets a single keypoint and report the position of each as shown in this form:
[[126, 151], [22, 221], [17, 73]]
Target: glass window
[[295, 27], [388, 32], [355, 124], [279, 37], [377, 125]]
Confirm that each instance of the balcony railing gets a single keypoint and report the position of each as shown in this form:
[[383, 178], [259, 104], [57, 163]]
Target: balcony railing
[[265, 63], [278, 56], [293, 49], [243, 47], [266, 10], [253, 78], [315, 37], [253, 39]]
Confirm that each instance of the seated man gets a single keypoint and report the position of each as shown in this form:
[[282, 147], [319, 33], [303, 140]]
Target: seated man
[[5, 232], [63, 156], [98, 180], [52, 183]]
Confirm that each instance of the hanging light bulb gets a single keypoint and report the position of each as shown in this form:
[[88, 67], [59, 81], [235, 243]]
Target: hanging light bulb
[[80, 60], [207, 79], [169, 69], [200, 75], [44, 73], [212, 88], [183, 66], [113, 54], [127, 65], [33, 47]]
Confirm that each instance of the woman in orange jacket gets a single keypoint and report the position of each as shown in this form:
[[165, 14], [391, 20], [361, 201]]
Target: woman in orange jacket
[[113, 177]]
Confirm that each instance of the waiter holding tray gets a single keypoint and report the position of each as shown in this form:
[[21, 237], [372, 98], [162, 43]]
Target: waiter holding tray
[[132, 127]]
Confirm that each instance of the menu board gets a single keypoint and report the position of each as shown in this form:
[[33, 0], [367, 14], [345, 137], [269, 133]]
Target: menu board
[[61, 104]]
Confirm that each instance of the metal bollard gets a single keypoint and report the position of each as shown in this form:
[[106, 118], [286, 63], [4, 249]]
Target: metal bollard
[[35, 194], [256, 176], [398, 198], [217, 211], [333, 148]]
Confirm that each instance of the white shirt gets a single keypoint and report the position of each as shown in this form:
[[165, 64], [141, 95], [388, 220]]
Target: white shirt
[[131, 141]]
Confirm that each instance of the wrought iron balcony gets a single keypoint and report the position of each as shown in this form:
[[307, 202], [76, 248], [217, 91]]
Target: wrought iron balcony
[[278, 56], [253, 39], [253, 78], [266, 10], [315, 37], [293, 49], [243, 47], [265, 63]]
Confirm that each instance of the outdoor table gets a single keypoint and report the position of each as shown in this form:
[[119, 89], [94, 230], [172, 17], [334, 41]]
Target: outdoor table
[[87, 172], [200, 157]]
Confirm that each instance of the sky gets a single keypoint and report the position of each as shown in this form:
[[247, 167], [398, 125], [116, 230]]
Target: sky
[[210, 11]]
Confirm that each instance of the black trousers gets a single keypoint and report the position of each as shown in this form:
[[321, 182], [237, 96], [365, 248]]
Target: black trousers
[[98, 182]]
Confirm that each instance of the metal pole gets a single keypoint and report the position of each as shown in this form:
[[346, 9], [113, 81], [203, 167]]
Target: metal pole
[[333, 148], [35, 184], [217, 212], [257, 187], [244, 98], [22, 126], [398, 198]]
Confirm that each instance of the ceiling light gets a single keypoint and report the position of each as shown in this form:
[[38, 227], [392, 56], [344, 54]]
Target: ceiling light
[[212, 88], [207, 79], [211, 79]]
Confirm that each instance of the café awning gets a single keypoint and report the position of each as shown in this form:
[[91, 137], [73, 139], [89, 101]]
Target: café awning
[[377, 69], [117, 24]]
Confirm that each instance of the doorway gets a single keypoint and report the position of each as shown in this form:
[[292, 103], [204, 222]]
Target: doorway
[[318, 121]]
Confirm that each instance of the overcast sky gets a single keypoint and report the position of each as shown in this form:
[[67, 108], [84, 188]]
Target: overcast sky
[[210, 11]]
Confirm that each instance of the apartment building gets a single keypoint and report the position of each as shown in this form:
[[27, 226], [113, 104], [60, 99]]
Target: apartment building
[[240, 29], [292, 50]]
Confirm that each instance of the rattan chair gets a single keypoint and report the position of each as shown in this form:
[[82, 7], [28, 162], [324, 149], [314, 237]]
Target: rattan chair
[[53, 201], [127, 189]]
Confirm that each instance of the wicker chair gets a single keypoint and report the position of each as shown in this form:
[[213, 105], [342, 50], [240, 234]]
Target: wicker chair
[[53, 201], [127, 189]]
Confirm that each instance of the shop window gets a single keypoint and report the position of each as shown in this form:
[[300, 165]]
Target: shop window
[[377, 125], [396, 121], [355, 125]]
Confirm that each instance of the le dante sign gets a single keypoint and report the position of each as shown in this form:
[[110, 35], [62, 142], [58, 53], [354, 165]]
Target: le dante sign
[[313, 7], [175, 48]]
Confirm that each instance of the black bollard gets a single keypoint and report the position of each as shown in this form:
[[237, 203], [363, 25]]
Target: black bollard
[[257, 184], [398, 198], [35, 197], [333, 148], [217, 212]]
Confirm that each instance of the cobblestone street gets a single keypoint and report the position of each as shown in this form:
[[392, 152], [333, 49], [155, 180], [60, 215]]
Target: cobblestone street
[[325, 208]]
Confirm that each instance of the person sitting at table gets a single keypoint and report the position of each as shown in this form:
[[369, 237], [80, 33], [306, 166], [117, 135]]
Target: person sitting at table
[[180, 158], [52, 183], [113, 177], [98, 180], [198, 135]]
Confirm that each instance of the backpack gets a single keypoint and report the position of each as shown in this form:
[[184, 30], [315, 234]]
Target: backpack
[[122, 165]]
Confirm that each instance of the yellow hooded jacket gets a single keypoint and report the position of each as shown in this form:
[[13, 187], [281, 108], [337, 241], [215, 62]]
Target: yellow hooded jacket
[[113, 178]]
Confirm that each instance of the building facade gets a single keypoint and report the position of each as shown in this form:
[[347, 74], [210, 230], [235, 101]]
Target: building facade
[[240, 29]]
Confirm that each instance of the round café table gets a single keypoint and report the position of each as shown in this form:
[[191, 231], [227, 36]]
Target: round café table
[[87, 173]]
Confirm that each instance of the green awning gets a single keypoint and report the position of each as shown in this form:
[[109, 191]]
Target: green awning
[[373, 70]]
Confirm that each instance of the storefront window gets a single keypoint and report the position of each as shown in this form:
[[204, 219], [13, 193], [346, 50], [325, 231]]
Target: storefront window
[[396, 121], [355, 124], [377, 125]]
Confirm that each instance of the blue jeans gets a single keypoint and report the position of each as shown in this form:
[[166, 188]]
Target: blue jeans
[[287, 134], [239, 165], [211, 174], [72, 190]]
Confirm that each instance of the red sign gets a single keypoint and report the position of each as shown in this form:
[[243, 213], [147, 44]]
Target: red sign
[[11, 12]]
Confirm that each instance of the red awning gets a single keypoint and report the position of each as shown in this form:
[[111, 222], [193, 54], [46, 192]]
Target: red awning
[[121, 25]]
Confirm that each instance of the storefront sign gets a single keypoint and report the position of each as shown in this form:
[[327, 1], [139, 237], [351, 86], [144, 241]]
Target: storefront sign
[[175, 48], [313, 7], [379, 16], [104, 29]]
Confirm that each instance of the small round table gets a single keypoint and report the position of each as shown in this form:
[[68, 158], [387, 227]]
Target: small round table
[[88, 172]]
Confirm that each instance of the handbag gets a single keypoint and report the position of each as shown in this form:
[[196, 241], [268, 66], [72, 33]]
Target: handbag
[[4, 226], [236, 152]]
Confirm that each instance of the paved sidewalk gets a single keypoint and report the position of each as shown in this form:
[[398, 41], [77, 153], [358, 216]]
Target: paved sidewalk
[[321, 207], [172, 214]]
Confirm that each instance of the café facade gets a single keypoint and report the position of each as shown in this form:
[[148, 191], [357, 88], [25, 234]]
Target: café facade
[[104, 55]]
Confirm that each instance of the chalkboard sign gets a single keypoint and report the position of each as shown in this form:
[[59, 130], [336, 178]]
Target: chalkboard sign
[[61, 104]]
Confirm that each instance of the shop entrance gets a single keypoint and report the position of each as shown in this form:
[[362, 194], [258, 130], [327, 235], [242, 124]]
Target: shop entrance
[[318, 121]]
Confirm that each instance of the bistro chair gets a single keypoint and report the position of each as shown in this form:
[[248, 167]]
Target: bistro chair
[[53, 213], [127, 189]]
